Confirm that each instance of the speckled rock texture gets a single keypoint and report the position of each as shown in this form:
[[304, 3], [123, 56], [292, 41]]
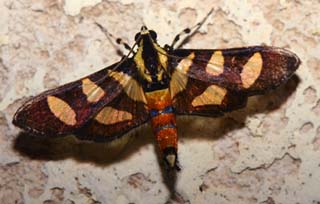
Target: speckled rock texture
[[267, 153]]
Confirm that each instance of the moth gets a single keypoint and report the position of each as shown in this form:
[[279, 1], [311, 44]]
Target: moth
[[155, 85]]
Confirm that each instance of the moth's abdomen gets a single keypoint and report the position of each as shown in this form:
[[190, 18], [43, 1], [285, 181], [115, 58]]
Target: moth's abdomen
[[164, 127], [163, 122]]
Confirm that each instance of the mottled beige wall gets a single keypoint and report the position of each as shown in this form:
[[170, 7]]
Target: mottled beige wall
[[266, 153]]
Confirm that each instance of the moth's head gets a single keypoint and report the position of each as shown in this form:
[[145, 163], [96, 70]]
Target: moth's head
[[146, 34]]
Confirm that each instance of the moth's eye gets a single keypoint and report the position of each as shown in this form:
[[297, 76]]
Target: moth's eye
[[153, 34], [136, 37]]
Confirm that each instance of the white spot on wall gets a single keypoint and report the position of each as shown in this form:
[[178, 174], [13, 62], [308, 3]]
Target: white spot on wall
[[73, 7]]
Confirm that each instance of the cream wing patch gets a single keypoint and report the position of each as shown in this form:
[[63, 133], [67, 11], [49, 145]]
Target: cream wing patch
[[93, 92], [251, 70], [109, 115], [62, 110], [178, 83], [179, 79], [185, 63], [213, 95], [215, 64], [130, 85]]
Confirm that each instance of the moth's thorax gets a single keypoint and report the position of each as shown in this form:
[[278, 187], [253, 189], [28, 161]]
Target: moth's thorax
[[151, 61]]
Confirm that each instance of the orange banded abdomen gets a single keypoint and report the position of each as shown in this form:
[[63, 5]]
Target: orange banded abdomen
[[163, 123], [163, 120]]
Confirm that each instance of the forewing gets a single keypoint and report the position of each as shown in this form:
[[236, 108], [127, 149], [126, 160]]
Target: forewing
[[250, 70], [115, 119], [64, 109]]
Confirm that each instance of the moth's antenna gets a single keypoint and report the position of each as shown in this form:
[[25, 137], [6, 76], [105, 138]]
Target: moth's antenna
[[118, 41], [112, 38], [189, 31], [124, 58]]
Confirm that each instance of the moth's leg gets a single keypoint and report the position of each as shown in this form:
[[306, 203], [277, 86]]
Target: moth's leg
[[188, 32], [112, 38]]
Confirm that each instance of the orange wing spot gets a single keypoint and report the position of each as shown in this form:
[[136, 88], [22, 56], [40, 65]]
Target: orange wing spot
[[215, 65], [62, 110], [251, 70], [158, 99], [109, 115], [93, 92], [213, 95]]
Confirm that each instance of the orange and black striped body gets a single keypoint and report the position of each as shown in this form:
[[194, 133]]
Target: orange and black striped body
[[163, 122]]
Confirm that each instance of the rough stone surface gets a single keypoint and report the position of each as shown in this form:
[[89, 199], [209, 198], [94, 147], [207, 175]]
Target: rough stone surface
[[266, 153]]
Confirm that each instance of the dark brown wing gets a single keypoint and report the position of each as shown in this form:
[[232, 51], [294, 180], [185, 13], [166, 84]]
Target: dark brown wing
[[252, 70], [114, 120], [65, 109], [210, 82], [205, 99]]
